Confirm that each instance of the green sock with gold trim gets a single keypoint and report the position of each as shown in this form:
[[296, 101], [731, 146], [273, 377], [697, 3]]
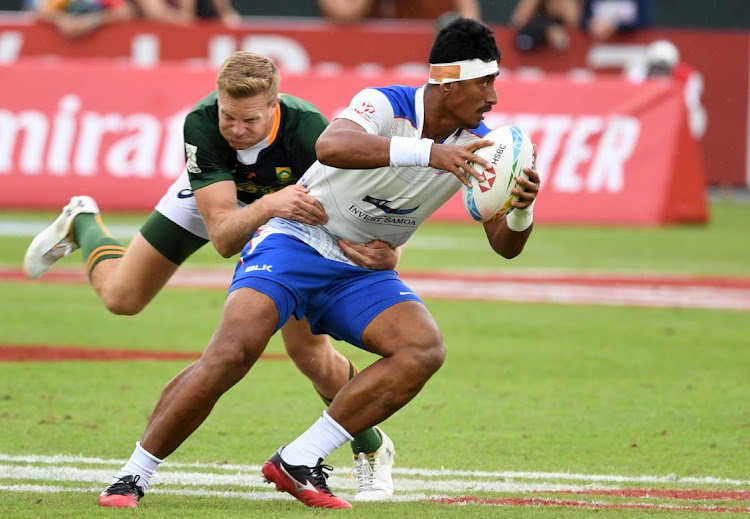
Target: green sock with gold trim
[[368, 441], [95, 241]]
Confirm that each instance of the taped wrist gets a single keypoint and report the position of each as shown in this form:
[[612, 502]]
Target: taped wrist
[[519, 220], [407, 151]]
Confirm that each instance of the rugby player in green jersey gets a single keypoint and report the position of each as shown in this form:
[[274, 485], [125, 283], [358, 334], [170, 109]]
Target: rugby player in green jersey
[[245, 148]]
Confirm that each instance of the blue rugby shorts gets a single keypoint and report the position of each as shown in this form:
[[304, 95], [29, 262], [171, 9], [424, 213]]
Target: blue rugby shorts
[[337, 298]]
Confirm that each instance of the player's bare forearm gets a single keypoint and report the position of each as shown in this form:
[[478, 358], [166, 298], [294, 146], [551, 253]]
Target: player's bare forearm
[[345, 144], [229, 227], [509, 241], [233, 228], [505, 242], [236, 228]]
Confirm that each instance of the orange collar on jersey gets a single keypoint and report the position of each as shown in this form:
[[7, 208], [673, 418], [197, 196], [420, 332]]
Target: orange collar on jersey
[[276, 124]]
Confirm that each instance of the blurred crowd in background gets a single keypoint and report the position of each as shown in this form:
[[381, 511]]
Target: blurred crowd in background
[[538, 22]]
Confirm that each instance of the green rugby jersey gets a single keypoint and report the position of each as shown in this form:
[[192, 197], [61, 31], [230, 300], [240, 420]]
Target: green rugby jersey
[[291, 149]]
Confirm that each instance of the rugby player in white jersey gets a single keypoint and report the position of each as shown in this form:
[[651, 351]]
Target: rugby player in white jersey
[[385, 165], [246, 148]]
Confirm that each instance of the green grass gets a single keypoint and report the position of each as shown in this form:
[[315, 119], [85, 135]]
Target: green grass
[[525, 388], [720, 247], [542, 393]]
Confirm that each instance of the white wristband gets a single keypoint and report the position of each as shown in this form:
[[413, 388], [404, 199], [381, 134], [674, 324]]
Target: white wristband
[[407, 151], [519, 220]]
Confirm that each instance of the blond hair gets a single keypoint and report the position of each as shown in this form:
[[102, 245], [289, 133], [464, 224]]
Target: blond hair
[[246, 74]]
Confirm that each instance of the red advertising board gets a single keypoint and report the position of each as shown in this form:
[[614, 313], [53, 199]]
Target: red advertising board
[[377, 47], [614, 152]]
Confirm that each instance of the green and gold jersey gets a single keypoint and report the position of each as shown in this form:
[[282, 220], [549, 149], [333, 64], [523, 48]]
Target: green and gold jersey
[[291, 148]]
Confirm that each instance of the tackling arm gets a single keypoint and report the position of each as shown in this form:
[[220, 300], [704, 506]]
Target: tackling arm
[[230, 227]]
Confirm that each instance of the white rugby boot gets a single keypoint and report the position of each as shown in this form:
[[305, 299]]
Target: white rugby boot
[[374, 479], [56, 241]]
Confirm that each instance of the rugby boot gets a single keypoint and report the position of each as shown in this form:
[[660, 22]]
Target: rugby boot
[[56, 241], [307, 484], [374, 479], [123, 493]]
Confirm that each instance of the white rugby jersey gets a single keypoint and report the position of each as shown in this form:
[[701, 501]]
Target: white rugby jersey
[[383, 203]]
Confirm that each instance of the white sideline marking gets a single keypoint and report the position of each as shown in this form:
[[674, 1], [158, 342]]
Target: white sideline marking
[[529, 291], [19, 228], [203, 479], [471, 474], [668, 292]]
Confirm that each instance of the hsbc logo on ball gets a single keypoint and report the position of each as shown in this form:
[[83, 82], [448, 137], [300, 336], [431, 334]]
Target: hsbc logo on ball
[[498, 154], [489, 177]]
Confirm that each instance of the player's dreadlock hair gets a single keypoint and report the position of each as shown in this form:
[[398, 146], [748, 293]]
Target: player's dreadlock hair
[[245, 74], [463, 39]]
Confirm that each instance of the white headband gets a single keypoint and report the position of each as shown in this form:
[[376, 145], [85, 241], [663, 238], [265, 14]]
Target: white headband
[[461, 70]]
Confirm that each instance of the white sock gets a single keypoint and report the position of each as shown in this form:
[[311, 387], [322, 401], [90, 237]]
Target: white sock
[[320, 440], [141, 463]]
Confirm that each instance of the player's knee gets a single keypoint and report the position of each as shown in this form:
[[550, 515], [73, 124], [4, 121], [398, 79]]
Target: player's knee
[[230, 352], [428, 354], [120, 304], [313, 367], [434, 357], [313, 355]]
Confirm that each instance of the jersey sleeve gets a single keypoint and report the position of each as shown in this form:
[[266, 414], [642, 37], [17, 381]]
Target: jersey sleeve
[[372, 111], [204, 159]]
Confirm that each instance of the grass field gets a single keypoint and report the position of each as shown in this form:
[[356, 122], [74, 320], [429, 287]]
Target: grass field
[[540, 410]]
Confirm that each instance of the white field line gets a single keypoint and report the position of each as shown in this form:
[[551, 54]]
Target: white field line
[[30, 229], [527, 290], [531, 290], [255, 481], [56, 460], [19, 228], [579, 293]]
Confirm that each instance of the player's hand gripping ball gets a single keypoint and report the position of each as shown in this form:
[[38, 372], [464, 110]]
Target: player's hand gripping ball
[[490, 200]]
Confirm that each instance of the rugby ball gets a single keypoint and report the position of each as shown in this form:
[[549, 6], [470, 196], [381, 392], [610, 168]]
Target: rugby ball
[[511, 152]]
